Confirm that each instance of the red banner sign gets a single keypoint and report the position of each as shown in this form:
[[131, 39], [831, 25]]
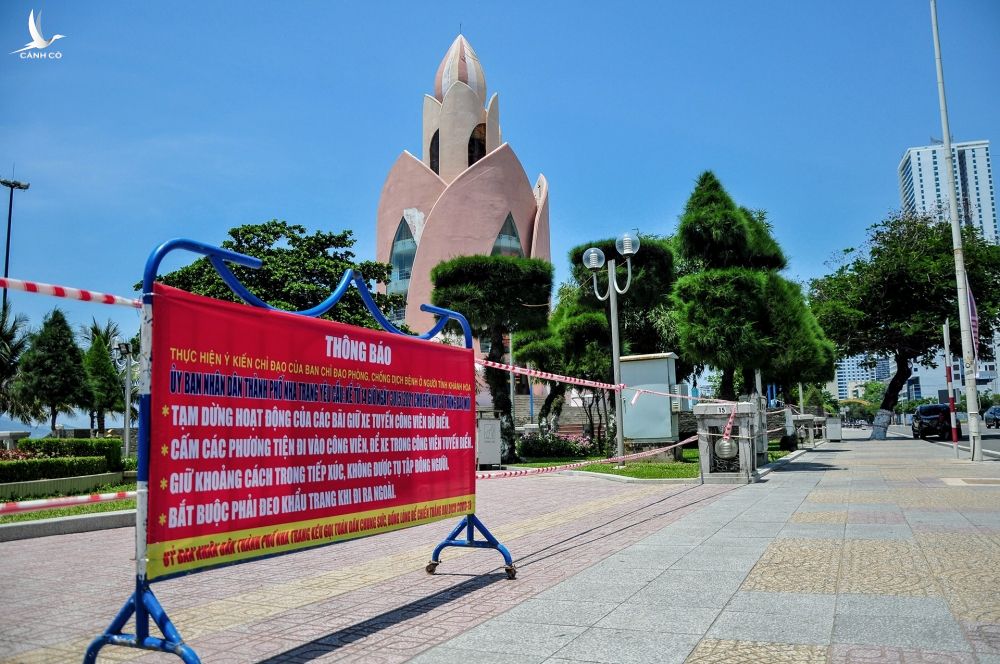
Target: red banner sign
[[272, 432]]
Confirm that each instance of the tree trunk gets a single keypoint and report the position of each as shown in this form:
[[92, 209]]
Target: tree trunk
[[600, 421], [100, 422], [604, 411], [497, 380], [588, 409], [891, 398], [548, 412], [52, 418], [727, 389], [749, 380]]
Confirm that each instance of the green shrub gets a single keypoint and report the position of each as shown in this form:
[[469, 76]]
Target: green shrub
[[10, 455], [25, 470], [130, 463], [542, 445], [109, 448], [789, 443]]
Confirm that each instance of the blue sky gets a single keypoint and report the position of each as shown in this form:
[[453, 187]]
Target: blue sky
[[185, 119]]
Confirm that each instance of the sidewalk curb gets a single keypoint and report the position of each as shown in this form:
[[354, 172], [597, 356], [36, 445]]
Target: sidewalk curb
[[632, 480], [761, 472], [65, 525], [126, 518], [943, 443], [777, 463], [964, 448]]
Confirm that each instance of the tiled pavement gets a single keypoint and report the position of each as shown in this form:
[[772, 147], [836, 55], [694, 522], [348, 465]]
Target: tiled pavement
[[855, 552]]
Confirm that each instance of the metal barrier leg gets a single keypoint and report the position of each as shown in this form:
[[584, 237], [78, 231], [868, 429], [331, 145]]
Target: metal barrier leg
[[145, 608], [470, 524]]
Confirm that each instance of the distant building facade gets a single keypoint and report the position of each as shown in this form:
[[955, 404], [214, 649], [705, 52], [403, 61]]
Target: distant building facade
[[923, 184], [467, 195], [850, 376]]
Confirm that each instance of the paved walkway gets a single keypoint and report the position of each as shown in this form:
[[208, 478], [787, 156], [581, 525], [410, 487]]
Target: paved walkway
[[856, 552]]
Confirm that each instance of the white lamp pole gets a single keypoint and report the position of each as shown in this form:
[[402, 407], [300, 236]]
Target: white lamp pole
[[964, 318], [12, 185], [124, 351], [593, 259]]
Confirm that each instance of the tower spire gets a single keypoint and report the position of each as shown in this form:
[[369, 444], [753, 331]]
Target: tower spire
[[460, 63]]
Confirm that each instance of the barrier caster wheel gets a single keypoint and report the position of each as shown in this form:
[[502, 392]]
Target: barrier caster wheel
[[432, 567], [511, 571]]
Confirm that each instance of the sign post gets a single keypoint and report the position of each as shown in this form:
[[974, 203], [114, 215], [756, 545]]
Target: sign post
[[263, 432]]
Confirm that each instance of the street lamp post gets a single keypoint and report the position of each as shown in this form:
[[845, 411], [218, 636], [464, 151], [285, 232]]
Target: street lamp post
[[593, 259], [12, 185], [961, 282], [123, 357]]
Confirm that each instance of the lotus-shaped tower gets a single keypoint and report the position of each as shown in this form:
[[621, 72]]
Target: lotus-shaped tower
[[468, 195]]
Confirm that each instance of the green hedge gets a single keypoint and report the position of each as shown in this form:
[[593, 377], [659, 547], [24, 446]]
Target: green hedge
[[25, 470], [540, 445], [109, 448]]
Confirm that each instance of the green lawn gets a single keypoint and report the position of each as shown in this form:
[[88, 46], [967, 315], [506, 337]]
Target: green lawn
[[642, 469], [88, 508], [553, 461], [647, 470], [637, 469]]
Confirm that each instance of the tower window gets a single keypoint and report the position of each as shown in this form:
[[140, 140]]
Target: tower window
[[404, 248], [508, 242], [477, 144], [436, 152]]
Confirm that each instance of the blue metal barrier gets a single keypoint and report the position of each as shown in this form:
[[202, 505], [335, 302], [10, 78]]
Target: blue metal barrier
[[143, 604]]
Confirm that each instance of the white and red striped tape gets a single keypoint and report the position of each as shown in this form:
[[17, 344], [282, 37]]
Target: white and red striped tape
[[107, 298], [728, 431], [639, 391], [503, 474], [535, 373], [68, 293], [15, 507]]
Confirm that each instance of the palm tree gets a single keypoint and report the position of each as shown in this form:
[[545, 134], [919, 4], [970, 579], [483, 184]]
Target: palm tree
[[106, 332], [14, 337]]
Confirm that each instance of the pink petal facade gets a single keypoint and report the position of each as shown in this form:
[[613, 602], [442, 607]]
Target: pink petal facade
[[468, 194]]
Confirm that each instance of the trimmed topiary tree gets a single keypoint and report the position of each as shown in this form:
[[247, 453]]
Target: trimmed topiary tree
[[52, 369], [497, 294]]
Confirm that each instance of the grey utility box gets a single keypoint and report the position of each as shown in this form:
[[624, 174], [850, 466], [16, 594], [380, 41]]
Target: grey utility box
[[8, 439], [732, 461], [760, 442], [651, 419], [805, 430], [834, 428], [489, 442]]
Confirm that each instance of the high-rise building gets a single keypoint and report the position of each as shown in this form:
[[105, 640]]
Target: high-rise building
[[923, 184], [468, 195], [923, 188], [851, 375]]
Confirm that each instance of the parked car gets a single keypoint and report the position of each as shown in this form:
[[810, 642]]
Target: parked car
[[933, 419], [992, 417]]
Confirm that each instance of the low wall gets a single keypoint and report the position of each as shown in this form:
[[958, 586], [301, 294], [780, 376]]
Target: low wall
[[81, 523], [67, 485], [688, 425]]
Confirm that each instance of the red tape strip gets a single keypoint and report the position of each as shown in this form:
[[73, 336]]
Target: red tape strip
[[503, 474], [17, 507], [68, 293]]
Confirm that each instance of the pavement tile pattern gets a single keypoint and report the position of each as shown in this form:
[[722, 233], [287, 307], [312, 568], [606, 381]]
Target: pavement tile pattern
[[855, 552], [368, 599]]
